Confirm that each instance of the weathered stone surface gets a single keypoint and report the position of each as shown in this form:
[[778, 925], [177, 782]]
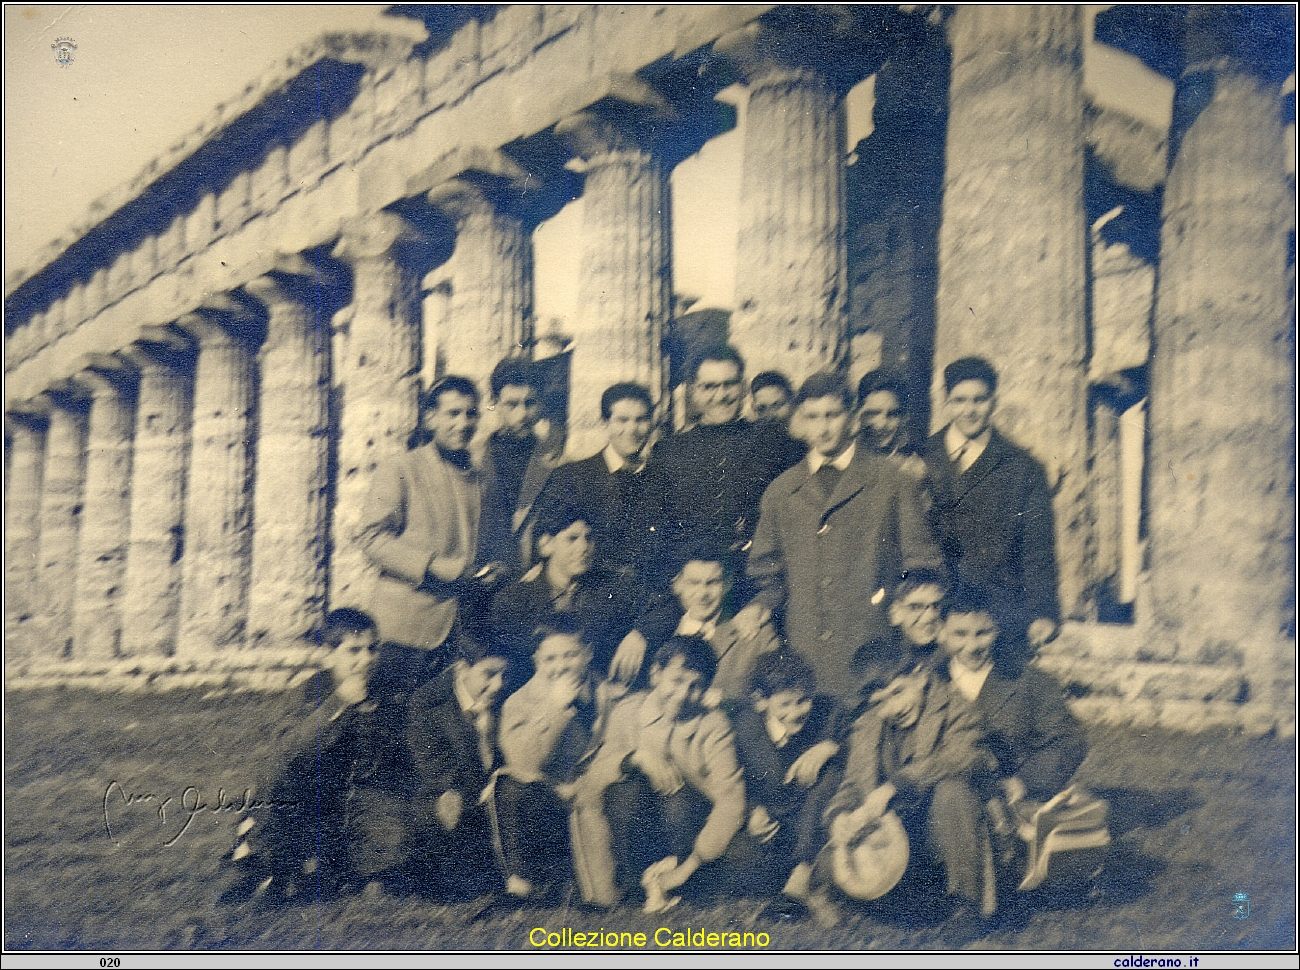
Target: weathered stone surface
[[106, 513], [218, 494], [1011, 247], [60, 518], [791, 270], [490, 315], [435, 313], [151, 603], [1123, 291], [1135, 153], [377, 383], [22, 526], [1222, 479], [290, 507]]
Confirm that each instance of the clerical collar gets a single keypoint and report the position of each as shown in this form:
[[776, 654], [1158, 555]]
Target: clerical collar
[[841, 462], [617, 463], [460, 459]]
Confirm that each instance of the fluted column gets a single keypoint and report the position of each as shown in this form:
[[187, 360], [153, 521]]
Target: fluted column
[[106, 513], [60, 517], [22, 521], [290, 497], [218, 495], [490, 313], [377, 380], [164, 409], [625, 282], [1222, 458], [791, 311], [1012, 246]]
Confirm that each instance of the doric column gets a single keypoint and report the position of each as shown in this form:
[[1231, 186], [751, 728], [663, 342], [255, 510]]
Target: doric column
[[625, 282], [218, 495], [22, 520], [377, 381], [435, 310], [1222, 460], [791, 264], [1012, 246], [60, 516], [164, 409], [290, 497], [490, 313], [106, 512]]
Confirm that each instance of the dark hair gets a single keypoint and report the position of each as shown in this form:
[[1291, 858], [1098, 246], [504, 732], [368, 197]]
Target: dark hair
[[452, 382], [723, 354], [782, 670], [970, 369], [517, 372], [701, 549], [558, 625], [879, 380], [824, 384], [554, 516], [914, 579], [625, 391], [965, 600], [474, 650], [339, 623], [771, 378], [696, 655]]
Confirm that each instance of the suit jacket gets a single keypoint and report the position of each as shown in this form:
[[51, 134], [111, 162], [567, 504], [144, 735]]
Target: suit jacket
[[444, 744], [1026, 725], [765, 765], [507, 513], [626, 513], [421, 518], [831, 562], [996, 528], [540, 741]]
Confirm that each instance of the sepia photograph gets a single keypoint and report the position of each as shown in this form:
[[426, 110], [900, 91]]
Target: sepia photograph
[[647, 479]]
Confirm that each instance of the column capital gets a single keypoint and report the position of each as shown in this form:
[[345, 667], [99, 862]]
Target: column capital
[[831, 46], [622, 125], [220, 318], [159, 347], [105, 374], [1014, 30], [289, 282], [374, 237]]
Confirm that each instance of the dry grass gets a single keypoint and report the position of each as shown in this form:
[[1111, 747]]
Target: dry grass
[[1195, 819]]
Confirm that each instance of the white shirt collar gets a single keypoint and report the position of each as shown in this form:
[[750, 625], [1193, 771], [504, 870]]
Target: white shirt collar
[[616, 462], [954, 441], [816, 459], [691, 627], [969, 682]]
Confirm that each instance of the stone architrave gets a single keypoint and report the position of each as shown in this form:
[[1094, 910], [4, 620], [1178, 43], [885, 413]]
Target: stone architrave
[[22, 522], [60, 518], [624, 287], [290, 497], [791, 311], [377, 380], [1221, 477], [164, 410], [106, 513], [1012, 285], [218, 494], [491, 284]]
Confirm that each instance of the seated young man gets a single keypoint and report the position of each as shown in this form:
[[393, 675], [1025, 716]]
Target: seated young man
[[451, 729], [337, 814], [1023, 719], [697, 608], [545, 732], [564, 588], [663, 795], [786, 738], [914, 750]]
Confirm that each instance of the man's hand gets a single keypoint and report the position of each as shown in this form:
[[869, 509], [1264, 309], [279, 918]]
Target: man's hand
[[446, 569], [664, 778], [761, 825], [449, 807], [808, 765], [1014, 789], [877, 802], [628, 658], [751, 619], [1042, 631], [671, 878]]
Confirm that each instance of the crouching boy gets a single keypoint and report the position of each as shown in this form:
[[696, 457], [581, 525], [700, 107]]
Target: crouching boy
[[545, 732], [451, 729], [663, 794], [787, 744]]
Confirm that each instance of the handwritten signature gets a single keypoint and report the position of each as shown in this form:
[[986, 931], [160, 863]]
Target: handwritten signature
[[187, 808]]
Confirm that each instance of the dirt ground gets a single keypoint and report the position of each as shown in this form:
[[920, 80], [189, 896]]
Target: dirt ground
[[97, 858]]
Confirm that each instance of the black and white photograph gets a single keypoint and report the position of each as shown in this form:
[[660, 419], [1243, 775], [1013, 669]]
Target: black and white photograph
[[643, 479]]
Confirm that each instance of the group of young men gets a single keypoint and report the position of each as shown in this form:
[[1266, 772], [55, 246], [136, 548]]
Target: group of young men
[[724, 660]]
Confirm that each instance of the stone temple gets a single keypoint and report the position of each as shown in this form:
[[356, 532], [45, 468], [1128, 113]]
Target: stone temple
[[200, 383]]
